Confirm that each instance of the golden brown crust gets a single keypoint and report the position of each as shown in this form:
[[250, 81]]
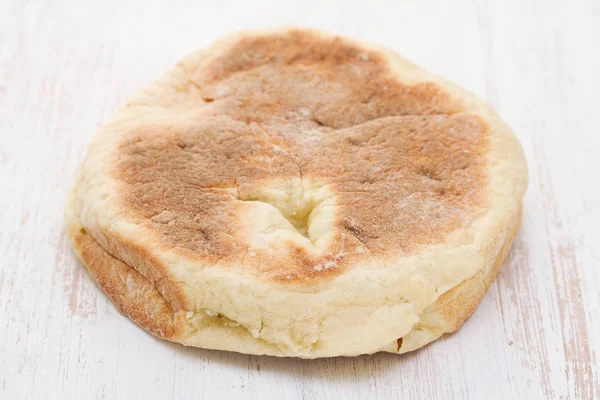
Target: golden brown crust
[[133, 253], [404, 163], [133, 294]]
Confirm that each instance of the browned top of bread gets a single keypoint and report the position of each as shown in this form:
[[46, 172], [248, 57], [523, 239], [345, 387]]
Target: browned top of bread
[[397, 165], [291, 192]]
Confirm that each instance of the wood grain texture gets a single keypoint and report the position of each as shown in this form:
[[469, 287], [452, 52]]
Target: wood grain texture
[[65, 66]]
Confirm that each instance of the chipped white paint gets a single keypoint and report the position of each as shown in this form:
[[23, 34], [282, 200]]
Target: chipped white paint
[[66, 65]]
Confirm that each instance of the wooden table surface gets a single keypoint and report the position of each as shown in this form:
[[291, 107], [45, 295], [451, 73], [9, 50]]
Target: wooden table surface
[[65, 66]]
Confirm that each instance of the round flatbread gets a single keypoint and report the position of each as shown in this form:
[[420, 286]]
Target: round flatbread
[[294, 193]]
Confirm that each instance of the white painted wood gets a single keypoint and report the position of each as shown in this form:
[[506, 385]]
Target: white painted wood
[[66, 65]]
